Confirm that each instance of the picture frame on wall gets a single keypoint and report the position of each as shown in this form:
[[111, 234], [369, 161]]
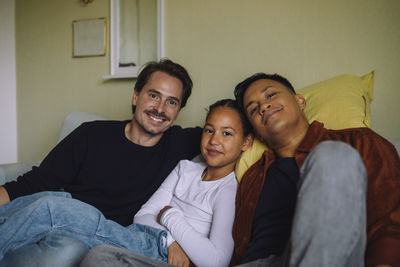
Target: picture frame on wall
[[89, 37]]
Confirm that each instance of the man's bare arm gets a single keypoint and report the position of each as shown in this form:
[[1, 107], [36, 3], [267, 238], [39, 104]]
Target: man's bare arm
[[4, 197]]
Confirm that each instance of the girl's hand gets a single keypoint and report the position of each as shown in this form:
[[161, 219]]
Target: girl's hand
[[161, 213], [176, 255]]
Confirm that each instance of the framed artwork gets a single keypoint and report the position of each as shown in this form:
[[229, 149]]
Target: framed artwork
[[89, 37]]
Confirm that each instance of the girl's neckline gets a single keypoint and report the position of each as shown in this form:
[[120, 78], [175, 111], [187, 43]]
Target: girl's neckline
[[204, 175]]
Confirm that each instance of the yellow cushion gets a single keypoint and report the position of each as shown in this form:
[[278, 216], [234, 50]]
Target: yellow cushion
[[249, 157], [340, 102]]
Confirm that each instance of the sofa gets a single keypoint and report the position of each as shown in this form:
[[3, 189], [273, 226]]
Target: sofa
[[340, 102], [10, 172]]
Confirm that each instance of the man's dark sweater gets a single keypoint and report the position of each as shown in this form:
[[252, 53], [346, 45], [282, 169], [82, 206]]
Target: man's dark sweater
[[97, 164]]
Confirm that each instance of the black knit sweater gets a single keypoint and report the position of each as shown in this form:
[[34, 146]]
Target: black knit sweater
[[97, 164]]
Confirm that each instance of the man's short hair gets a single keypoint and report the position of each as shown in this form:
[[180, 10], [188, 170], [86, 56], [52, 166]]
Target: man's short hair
[[241, 88], [169, 67]]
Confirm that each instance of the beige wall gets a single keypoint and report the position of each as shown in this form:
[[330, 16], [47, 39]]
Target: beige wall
[[220, 42], [50, 82], [8, 86]]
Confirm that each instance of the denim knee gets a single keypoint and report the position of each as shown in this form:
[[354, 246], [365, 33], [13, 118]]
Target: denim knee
[[52, 250], [335, 157], [335, 152], [68, 244], [329, 222], [106, 255]]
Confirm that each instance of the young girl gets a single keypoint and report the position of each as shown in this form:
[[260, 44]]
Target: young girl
[[194, 206]]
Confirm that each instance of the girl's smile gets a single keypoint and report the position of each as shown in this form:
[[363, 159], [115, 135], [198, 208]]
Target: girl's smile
[[222, 141]]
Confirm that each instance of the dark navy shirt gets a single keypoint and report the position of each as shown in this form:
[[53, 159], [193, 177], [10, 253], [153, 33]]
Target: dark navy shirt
[[274, 212]]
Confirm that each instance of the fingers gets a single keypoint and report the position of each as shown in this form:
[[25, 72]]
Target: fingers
[[161, 213], [176, 256]]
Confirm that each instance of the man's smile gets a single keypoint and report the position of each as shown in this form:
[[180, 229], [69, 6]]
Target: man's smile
[[157, 117], [268, 114]]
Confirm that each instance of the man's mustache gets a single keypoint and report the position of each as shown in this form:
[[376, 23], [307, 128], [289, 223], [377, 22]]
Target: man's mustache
[[158, 115]]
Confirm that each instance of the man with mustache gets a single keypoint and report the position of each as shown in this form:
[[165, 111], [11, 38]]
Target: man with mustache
[[114, 165], [306, 201], [316, 197]]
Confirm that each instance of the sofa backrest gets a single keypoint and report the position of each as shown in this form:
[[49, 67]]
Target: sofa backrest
[[396, 143], [74, 119], [9, 172]]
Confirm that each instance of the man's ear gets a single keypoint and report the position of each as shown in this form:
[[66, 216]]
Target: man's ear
[[248, 142], [135, 97], [301, 101]]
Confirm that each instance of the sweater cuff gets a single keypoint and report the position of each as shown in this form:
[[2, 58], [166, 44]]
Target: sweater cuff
[[170, 239], [168, 214], [12, 189], [165, 218]]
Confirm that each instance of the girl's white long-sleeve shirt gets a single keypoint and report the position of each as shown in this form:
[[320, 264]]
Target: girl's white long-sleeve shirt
[[202, 213]]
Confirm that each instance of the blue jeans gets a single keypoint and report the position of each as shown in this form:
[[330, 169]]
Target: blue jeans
[[329, 223], [52, 250], [329, 227], [28, 219]]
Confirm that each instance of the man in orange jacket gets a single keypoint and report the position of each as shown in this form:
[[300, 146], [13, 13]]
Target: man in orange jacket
[[306, 201]]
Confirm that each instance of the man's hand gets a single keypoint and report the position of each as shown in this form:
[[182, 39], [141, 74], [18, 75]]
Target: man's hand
[[161, 213], [176, 256], [4, 197]]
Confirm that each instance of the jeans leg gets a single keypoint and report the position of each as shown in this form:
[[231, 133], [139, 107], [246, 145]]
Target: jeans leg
[[271, 261], [24, 218], [329, 226], [76, 219], [105, 256], [22, 202], [52, 250]]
